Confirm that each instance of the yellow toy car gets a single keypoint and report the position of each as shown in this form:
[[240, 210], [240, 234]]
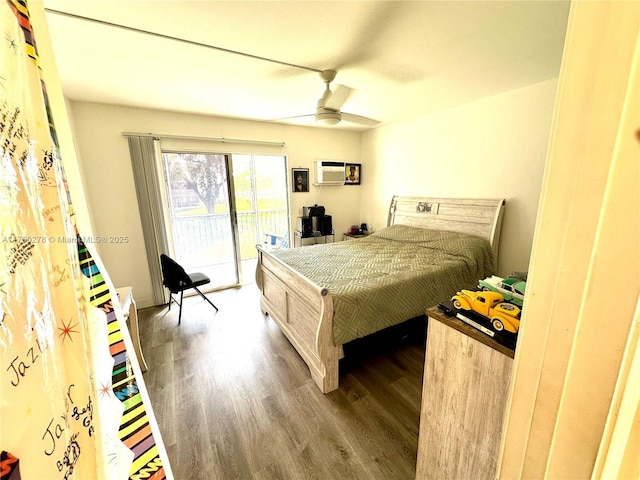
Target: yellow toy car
[[491, 306]]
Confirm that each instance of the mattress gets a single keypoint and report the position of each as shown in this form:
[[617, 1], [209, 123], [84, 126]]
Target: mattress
[[390, 276]]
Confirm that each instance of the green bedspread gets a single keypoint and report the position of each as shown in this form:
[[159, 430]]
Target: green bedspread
[[390, 276]]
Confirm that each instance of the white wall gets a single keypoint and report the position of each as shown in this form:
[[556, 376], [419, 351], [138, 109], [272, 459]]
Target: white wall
[[108, 175], [492, 148]]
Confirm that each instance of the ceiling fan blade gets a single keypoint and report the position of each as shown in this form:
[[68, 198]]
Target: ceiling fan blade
[[350, 117], [294, 117], [338, 97]]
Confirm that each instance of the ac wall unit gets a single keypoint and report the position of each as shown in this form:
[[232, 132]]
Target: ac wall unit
[[328, 172]]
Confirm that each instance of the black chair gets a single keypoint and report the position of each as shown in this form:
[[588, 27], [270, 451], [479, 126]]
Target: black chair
[[177, 280]]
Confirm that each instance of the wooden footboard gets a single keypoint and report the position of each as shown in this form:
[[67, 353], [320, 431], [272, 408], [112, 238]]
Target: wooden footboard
[[304, 313]]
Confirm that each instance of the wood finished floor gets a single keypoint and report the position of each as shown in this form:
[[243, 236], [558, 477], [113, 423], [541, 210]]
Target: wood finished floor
[[234, 400]]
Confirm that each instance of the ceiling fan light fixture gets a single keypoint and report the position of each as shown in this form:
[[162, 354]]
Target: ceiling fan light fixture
[[328, 111], [328, 118]]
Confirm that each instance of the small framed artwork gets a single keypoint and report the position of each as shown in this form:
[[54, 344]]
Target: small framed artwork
[[352, 173], [300, 179]]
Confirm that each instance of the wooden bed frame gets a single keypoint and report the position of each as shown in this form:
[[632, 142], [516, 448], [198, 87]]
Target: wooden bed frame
[[304, 311]]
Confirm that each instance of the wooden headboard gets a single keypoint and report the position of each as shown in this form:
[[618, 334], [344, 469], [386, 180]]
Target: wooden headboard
[[475, 216]]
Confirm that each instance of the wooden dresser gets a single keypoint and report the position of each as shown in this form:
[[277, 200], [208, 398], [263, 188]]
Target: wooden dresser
[[464, 393]]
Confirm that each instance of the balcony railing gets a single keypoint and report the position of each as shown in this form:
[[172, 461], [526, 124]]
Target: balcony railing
[[206, 239]]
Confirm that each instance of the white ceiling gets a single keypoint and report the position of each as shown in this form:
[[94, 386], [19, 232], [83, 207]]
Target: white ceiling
[[402, 59]]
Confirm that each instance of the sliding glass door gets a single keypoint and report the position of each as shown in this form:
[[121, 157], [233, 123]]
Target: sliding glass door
[[215, 222], [261, 200], [202, 233]]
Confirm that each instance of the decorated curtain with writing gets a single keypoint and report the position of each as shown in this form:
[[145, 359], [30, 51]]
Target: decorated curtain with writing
[[70, 402]]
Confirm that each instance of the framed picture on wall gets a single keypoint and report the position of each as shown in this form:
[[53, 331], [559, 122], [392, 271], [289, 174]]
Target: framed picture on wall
[[352, 172], [300, 179]]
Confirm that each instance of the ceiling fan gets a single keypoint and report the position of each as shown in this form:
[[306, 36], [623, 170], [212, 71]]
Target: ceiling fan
[[328, 109]]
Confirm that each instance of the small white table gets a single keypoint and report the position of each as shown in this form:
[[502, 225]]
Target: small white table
[[130, 312]]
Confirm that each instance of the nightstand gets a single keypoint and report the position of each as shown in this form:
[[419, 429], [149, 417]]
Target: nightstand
[[348, 236]]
